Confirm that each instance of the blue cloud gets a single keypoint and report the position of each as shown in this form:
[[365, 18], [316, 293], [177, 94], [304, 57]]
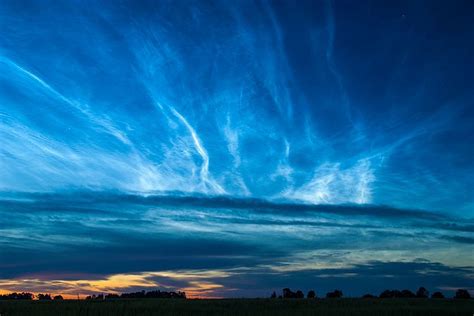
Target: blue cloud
[[231, 103]]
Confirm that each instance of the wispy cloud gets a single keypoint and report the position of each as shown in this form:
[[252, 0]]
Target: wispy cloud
[[218, 108]]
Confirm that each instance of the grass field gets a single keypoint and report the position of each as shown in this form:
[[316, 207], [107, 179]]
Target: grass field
[[259, 307]]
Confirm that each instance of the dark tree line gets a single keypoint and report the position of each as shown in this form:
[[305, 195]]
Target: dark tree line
[[287, 293], [30, 296], [17, 296], [141, 294], [421, 293]]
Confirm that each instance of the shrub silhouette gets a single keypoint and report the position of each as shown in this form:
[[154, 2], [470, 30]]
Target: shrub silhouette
[[462, 294], [299, 294], [334, 294], [437, 295], [368, 296], [311, 294], [274, 295], [422, 293], [58, 298]]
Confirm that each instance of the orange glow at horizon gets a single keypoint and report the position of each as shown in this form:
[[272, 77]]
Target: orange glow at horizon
[[200, 284]]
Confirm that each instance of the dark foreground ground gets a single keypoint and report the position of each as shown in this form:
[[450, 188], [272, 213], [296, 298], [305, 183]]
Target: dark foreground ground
[[259, 307]]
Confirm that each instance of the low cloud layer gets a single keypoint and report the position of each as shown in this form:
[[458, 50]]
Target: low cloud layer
[[63, 241]]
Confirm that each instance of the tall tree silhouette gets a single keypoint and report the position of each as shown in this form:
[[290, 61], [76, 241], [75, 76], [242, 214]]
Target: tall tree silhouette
[[422, 293], [462, 294], [287, 293]]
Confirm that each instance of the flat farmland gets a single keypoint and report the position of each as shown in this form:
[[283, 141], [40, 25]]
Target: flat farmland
[[258, 307]]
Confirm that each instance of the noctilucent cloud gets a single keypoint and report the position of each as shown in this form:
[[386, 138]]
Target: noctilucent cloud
[[229, 149]]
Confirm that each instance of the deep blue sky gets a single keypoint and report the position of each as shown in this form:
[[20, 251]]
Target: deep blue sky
[[364, 109]]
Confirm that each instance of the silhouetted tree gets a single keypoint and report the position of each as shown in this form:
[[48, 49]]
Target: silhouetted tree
[[462, 294], [368, 296], [44, 297], [274, 295], [311, 294], [407, 294], [287, 293], [437, 295], [58, 298], [25, 296], [422, 293], [112, 296], [299, 294], [334, 294]]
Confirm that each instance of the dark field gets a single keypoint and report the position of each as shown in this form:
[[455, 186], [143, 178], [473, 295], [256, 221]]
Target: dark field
[[258, 307]]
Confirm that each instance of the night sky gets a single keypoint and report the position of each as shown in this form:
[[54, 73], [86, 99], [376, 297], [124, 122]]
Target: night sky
[[233, 148]]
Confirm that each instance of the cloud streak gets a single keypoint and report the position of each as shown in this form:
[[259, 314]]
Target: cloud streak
[[236, 98]]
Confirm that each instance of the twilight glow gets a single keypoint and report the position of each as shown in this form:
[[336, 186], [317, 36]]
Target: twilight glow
[[230, 149]]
